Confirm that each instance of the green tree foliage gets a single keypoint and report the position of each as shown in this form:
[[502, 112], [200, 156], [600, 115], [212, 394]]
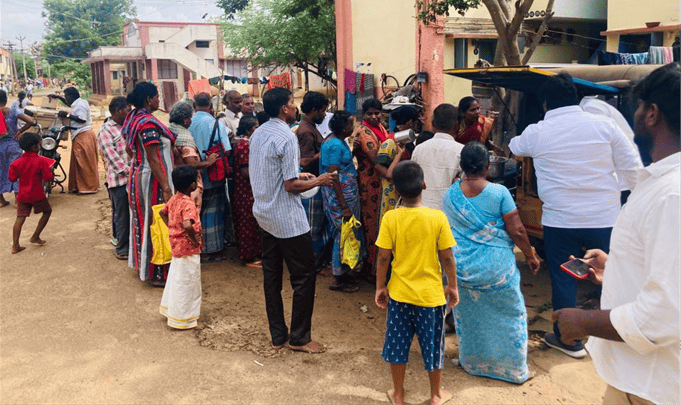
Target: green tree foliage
[[271, 33], [429, 11], [70, 69], [30, 65], [232, 7], [75, 27]]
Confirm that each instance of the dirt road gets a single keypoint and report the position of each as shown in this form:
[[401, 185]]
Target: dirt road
[[77, 326]]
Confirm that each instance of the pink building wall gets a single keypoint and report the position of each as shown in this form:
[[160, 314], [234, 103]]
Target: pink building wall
[[430, 59], [343, 45]]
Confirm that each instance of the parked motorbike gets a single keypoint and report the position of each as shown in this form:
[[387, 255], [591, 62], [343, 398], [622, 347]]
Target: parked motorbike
[[49, 148]]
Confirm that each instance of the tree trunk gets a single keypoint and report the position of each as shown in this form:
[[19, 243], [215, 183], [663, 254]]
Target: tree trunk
[[307, 77], [542, 28]]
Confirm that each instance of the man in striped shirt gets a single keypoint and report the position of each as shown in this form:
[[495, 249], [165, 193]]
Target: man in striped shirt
[[276, 183], [112, 147]]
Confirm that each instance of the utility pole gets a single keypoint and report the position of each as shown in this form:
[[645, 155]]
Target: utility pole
[[23, 57]]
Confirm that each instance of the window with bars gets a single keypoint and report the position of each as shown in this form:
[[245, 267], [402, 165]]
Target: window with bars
[[167, 69], [236, 67]]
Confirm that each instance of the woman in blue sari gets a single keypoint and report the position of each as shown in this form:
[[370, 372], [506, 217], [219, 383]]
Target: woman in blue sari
[[342, 200], [491, 320]]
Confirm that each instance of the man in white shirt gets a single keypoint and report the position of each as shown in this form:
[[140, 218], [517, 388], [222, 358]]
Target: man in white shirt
[[232, 101], [576, 155], [635, 334], [440, 156], [599, 107]]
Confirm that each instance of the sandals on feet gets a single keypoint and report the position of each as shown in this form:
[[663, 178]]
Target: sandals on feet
[[344, 287], [311, 347]]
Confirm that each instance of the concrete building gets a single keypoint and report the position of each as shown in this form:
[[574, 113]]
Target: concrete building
[[167, 53], [633, 26], [5, 64], [406, 46]]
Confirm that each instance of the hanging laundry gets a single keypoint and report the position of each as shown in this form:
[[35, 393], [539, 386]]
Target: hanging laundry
[[634, 58], [282, 80], [668, 54], [350, 102], [350, 81], [656, 55], [198, 86]]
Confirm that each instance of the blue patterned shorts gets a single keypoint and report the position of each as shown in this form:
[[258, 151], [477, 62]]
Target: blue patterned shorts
[[428, 323]]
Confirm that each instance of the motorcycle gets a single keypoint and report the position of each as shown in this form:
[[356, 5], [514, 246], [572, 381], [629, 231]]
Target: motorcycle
[[49, 148]]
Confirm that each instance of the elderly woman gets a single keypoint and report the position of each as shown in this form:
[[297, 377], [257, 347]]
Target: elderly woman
[[368, 137], [83, 167], [150, 143], [249, 242], [187, 152], [491, 321], [473, 126], [342, 201], [9, 145]]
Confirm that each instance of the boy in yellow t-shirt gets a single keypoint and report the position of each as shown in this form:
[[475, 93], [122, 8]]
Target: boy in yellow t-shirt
[[420, 240]]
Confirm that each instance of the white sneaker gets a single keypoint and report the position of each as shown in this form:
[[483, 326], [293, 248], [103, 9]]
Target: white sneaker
[[552, 341]]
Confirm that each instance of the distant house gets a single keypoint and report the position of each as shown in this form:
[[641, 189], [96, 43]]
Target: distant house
[[168, 53], [405, 46], [634, 26], [5, 64]]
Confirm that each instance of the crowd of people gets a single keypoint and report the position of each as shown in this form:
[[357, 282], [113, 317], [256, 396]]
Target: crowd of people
[[436, 237]]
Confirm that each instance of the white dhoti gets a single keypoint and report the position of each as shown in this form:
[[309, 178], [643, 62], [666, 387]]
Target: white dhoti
[[181, 302]]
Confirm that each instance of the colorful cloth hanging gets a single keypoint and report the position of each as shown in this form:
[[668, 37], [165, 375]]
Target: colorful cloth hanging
[[282, 80]]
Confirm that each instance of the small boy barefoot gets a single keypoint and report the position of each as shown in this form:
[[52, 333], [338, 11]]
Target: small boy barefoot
[[395, 398], [30, 170], [442, 398], [37, 241]]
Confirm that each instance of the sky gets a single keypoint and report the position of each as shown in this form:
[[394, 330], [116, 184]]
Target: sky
[[24, 18]]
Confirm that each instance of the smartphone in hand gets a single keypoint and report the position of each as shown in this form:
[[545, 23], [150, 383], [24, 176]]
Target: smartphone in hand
[[577, 268]]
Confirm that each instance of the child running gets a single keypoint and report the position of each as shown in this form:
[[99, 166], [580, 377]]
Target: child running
[[420, 240], [31, 170], [181, 302]]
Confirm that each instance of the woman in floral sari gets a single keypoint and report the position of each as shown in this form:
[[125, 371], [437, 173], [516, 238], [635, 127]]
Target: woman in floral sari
[[391, 153], [491, 320], [187, 152], [368, 137], [249, 243], [473, 126], [151, 145], [342, 200]]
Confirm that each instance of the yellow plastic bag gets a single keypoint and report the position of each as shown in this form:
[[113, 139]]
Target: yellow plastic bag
[[160, 240], [349, 244]]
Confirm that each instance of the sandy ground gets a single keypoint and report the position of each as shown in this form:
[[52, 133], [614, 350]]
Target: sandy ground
[[78, 326]]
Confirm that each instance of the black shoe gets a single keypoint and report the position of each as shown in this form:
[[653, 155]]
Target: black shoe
[[577, 351], [120, 256]]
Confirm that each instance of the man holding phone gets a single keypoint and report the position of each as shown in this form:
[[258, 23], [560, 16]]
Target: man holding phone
[[575, 157], [635, 344]]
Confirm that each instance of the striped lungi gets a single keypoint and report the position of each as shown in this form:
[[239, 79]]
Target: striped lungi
[[213, 219]]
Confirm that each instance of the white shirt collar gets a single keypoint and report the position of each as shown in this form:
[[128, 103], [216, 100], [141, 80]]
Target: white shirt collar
[[443, 135], [660, 167], [563, 110]]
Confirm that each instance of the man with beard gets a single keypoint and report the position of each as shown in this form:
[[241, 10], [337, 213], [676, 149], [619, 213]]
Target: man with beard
[[314, 108], [576, 155], [635, 344]]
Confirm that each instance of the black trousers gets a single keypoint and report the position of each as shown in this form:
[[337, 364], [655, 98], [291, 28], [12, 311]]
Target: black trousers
[[121, 218], [299, 258]]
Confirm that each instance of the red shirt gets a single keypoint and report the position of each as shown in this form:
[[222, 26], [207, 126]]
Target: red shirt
[[31, 170], [179, 208]]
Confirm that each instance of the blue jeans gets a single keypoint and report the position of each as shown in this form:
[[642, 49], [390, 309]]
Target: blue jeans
[[559, 244]]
